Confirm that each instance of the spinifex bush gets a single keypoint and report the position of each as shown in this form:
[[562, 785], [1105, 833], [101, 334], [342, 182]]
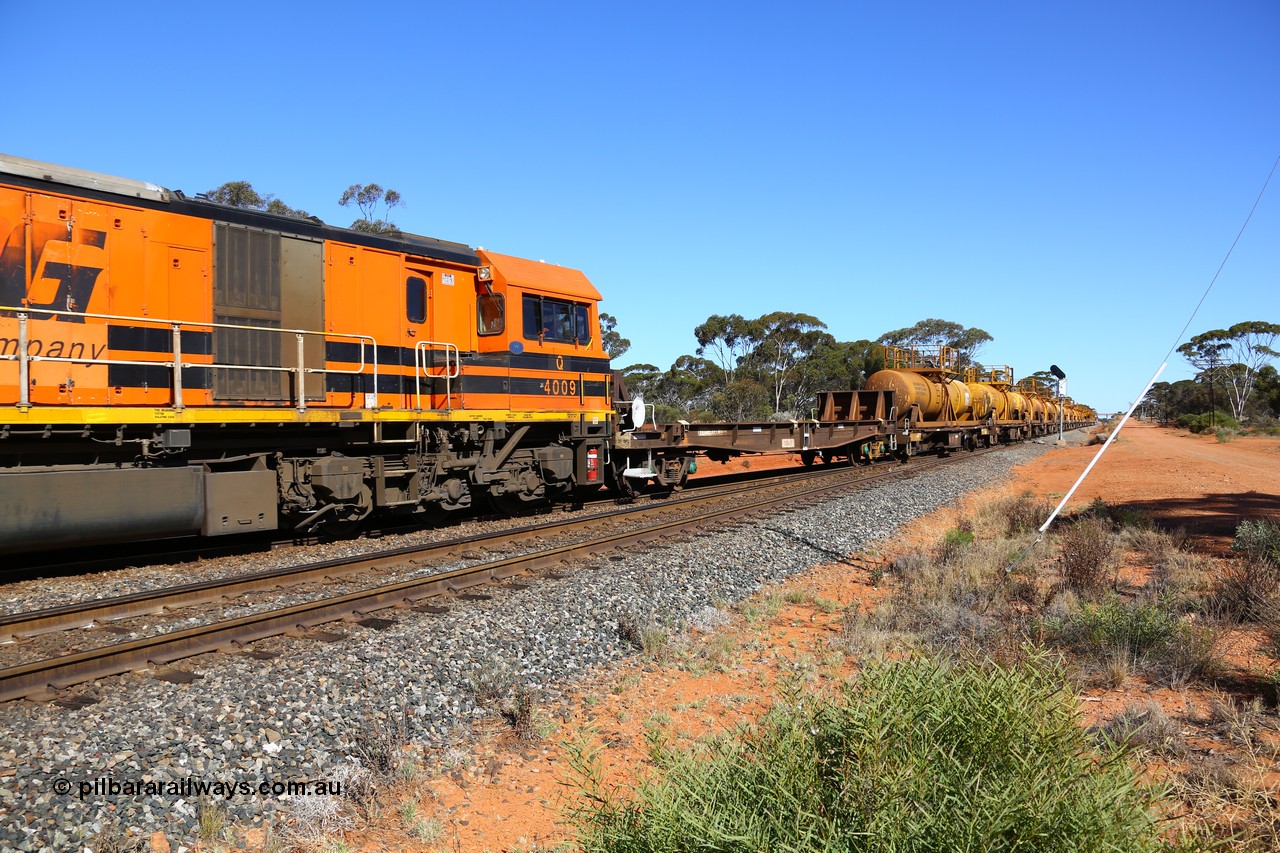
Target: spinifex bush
[[1013, 516], [952, 545], [1249, 588], [914, 755]]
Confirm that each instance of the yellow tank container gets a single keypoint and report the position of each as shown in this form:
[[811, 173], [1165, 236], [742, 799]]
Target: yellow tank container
[[1019, 408], [961, 400], [910, 389], [984, 400], [1002, 407]]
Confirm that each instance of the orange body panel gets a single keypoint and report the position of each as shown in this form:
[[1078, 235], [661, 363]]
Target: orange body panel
[[91, 257]]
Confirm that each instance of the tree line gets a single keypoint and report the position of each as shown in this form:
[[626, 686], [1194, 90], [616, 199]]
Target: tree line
[[1235, 382], [373, 201], [772, 366]]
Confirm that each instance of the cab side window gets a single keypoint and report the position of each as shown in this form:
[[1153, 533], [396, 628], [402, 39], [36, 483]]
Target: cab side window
[[415, 299], [491, 314], [532, 318], [555, 320]]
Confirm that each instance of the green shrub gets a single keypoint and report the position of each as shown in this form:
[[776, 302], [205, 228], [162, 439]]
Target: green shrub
[[1139, 627], [1145, 633], [952, 544], [1249, 587], [913, 755], [1203, 422], [1258, 540]]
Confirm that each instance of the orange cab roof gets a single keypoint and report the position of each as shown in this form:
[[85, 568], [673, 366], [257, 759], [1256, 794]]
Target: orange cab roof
[[543, 277]]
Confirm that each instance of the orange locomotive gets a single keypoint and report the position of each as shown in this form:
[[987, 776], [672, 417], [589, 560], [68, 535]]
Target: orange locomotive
[[172, 366]]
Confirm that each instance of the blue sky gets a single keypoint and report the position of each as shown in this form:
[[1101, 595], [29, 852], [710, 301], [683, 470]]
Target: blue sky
[[1066, 176]]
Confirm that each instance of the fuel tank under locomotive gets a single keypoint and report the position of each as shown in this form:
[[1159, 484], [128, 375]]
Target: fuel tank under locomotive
[[52, 508]]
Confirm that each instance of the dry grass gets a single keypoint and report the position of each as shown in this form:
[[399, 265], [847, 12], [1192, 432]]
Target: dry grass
[[646, 634], [1248, 590], [522, 711], [1229, 801], [1087, 552], [1011, 517], [1246, 724], [1145, 726]]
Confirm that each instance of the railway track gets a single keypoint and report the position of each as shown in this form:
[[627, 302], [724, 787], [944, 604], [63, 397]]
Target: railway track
[[172, 552], [88, 614], [43, 679]]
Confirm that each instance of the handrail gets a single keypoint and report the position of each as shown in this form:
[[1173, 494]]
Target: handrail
[[451, 370], [24, 358], [943, 357]]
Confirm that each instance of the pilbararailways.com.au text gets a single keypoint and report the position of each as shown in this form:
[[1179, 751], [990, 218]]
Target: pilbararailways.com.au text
[[190, 786]]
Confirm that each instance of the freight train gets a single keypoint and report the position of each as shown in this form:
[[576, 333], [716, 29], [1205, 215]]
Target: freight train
[[171, 366]]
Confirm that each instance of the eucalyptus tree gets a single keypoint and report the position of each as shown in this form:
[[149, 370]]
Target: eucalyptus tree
[[1233, 357], [931, 333]]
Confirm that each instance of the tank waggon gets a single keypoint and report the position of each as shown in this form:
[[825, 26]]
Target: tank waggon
[[985, 399], [935, 415], [936, 408], [1044, 411], [1013, 412], [217, 370]]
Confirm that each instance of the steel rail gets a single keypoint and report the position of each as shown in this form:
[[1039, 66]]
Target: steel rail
[[216, 548], [86, 614], [39, 678]]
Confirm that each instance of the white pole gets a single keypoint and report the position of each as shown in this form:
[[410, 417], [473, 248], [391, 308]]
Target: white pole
[[1101, 450]]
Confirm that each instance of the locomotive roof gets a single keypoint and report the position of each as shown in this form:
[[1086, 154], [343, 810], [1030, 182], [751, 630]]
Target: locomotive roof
[[38, 175], [541, 276]]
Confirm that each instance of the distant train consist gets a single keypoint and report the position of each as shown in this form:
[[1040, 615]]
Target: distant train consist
[[170, 366]]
